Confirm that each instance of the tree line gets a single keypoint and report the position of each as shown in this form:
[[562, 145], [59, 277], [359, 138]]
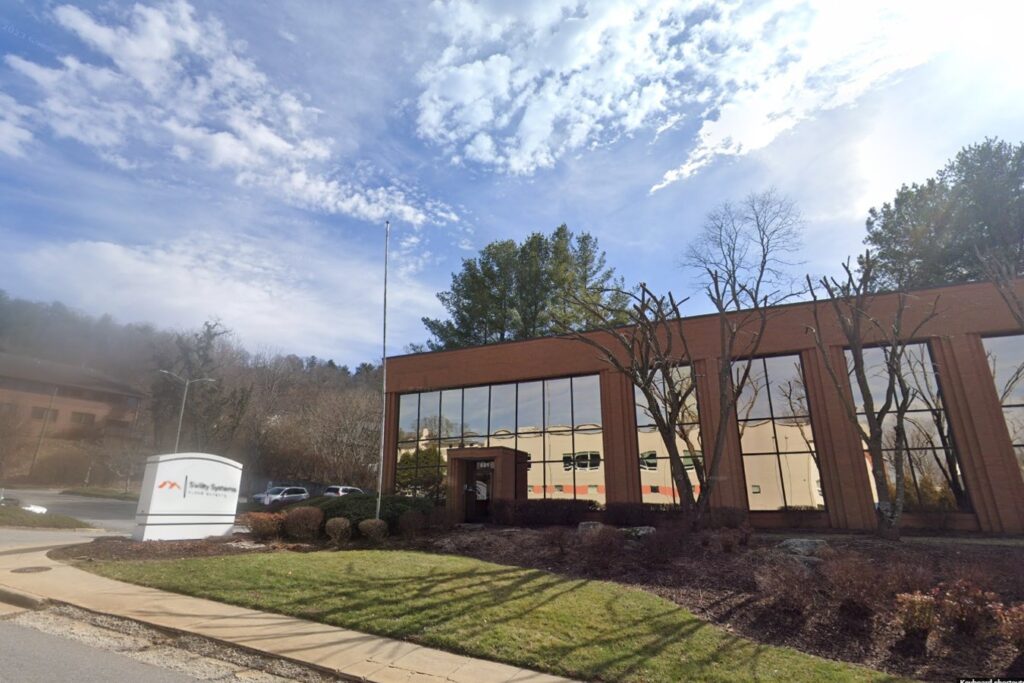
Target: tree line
[[282, 416]]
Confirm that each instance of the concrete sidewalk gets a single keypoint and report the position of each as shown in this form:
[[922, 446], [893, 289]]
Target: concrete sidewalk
[[351, 654]]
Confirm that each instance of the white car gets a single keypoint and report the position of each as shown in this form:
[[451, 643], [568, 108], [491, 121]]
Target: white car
[[333, 491], [281, 495]]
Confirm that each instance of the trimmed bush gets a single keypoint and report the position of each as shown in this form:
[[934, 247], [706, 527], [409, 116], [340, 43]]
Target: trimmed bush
[[558, 538], [857, 584], [915, 612], [412, 523], [303, 524], [787, 583], [264, 526], [601, 547], [541, 512], [964, 609], [373, 530], [338, 529], [439, 518], [723, 518], [359, 506], [1011, 625]]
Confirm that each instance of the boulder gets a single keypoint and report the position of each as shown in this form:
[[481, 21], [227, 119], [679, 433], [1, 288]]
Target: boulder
[[588, 528], [469, 526], [803, 547], [638, 531]]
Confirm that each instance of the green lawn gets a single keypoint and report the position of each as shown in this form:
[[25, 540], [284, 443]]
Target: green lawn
[[95, 492], [13, 516], [578, 628]]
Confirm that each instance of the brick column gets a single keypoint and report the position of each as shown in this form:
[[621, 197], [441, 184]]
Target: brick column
[[844, 475], [990, 468], [621, 455]]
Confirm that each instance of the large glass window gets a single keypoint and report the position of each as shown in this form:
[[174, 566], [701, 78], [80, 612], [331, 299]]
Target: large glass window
[[780, 461], [557, 423], [934, 479], [657, 484], [1006, 358]]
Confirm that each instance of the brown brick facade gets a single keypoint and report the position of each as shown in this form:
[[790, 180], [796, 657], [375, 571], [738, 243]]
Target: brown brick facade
[[968, 313]]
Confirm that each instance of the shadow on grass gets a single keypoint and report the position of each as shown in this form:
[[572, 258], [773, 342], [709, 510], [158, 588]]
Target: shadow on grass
[[530, 618]]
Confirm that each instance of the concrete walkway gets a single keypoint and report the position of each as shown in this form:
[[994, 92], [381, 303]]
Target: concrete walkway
[[354, 655]]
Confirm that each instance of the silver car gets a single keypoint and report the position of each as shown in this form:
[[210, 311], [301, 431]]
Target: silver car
[[281, 495], [333, 491]]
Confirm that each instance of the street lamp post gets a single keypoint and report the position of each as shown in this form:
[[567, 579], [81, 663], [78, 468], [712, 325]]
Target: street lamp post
[[184, 397]]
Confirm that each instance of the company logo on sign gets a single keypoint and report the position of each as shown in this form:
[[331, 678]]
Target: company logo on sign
[[170, 485]]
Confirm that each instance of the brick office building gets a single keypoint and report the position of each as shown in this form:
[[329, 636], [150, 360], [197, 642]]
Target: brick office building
[[547, 418], [55, 400]]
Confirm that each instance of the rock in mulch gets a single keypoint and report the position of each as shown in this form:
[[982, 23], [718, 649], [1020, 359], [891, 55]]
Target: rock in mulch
[[803, 547], [638, 532]]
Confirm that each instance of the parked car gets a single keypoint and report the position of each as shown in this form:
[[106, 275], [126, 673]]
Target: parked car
[[281, 495], [341, 490]]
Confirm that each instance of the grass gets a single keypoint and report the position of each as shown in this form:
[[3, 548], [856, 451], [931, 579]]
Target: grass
[[13, 516], [95, 492], [571, 627]]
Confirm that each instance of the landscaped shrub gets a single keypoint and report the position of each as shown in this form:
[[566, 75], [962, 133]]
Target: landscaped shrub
[[303, 524], [964, 609], [1011, 625], [856, 584], [723, 518], [915, 613], [787, 583], [728, 539], [541, 512], [745, 533], [373, 530], [264, 526], [359, 506], [601, 547], [439, 518], [558, 538], [338, 529], [412, 522], [639, 514]]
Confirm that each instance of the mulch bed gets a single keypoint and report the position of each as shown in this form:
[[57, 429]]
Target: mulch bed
[[726, 588], [107, 548]]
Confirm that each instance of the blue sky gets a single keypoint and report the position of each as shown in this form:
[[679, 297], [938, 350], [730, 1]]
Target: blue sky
[[172, 162]]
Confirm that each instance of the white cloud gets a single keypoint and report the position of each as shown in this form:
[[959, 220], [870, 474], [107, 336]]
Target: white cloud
[[173, 85], [14, 132], [302, 298], [521, 85]]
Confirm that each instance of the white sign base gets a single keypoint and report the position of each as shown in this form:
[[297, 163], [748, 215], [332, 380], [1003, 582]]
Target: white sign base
[[187, 496]]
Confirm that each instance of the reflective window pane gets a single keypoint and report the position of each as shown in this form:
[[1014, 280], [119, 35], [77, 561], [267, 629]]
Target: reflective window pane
[[753, 401], [451, 413], [503, 408], [764, 486], [557, 404], [788, 396], [408, 416], [586, 401], [430, 414], [1006, 358], [801, 481], [531, 407], [475, 401]]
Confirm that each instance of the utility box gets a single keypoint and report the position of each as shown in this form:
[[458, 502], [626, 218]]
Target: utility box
[[187, 496]]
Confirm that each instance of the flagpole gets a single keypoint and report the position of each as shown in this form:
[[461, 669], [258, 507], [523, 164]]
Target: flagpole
[[383, 370]]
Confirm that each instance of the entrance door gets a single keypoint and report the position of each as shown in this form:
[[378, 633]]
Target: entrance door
[[479, 477]]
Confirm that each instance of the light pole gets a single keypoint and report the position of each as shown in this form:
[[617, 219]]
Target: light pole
[[184, 397], [383, 370]]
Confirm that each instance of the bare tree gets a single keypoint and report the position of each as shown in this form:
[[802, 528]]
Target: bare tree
[[850, 300], [742, 257], [13, 432], [651, 350]]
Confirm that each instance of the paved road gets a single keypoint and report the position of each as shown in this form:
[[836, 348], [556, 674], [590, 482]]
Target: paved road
[[30, 656], [116, 516]]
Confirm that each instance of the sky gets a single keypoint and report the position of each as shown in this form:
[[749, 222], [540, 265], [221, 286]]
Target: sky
[[174, 162]]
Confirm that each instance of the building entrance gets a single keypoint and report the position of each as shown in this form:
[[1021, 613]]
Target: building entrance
[[479, 489]]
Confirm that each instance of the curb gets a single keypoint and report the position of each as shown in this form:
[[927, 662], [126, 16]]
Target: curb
[[17, 598]]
